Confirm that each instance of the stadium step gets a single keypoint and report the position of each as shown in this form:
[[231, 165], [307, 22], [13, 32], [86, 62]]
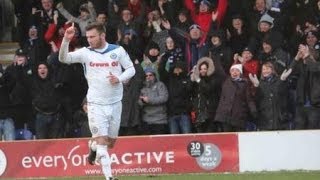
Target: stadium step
[[7, 51]]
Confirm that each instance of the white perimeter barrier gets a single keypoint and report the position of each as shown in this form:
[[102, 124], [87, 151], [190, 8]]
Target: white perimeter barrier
[[279, 150]]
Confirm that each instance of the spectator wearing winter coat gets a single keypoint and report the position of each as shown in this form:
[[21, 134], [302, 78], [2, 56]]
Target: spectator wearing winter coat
[[7, 129], [152, 58], [206, 89], [204, 16], [19, 74], [179, 102], [236, 102], [55, 32], [36, 48], [171, 56], [183, 21], [249, 64], [87, 16], [265, 29], [80, 125], [217, 49], [131, 114], [307, 69], [271, 51], [271, 97], [153, 99], [238, 34], [46, 103], [191, 43]]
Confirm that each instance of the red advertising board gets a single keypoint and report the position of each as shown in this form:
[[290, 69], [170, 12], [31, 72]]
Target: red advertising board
[[131, 155]]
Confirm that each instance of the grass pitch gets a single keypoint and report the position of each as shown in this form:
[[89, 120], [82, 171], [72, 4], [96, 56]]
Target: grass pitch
[[303, 175]]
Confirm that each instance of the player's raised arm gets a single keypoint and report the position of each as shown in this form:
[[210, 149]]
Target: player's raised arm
[[64, 55], [68, 35]]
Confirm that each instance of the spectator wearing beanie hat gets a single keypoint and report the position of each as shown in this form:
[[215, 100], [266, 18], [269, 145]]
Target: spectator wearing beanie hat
[[236, 104], [151, 58], [191, 43]]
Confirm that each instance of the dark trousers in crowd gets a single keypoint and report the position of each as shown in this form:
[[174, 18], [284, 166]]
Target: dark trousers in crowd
[[307, 117], [179, 124], [49, 126], [154, 129]]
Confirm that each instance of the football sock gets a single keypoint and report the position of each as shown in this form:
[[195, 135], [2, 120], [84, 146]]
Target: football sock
[[104, 159]]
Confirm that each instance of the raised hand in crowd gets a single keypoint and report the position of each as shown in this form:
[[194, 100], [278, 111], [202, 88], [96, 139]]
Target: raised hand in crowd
[[166, 24], [214, 15], [254, 79], [237, 58], [59, 5], [285, 74]]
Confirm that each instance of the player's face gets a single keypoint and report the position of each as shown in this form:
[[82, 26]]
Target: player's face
[[95, 39]]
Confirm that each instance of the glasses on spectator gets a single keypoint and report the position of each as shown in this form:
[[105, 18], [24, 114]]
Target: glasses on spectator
[[149, 75]]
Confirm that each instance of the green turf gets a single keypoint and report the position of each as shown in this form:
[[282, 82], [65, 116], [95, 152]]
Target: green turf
[[243, 176]]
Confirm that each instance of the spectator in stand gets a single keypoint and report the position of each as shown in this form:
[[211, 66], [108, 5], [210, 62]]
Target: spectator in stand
[[273, 52], [312, 41], [87, 16], [138, 9], [206, 90], [254, 15], [238, 34], [46, 103], [191, 43], [236, 102], [307, 69], [154, 29], [265, 29], [36, 48], [54, 35], [43, 16], [131, 115], [152, 58], [179, 102], [172, 55], [217, 49], [128, 23], [271, 97], [80, 122], [153, 99], [167, 8], [111, 31], [183, 21], [7, 128], [249, 64], [18, 76], [204, 16]]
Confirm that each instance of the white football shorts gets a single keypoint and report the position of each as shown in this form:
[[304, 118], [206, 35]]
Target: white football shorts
[[104, 120]]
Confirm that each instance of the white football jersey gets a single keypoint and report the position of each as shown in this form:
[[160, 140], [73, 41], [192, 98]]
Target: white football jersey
[[98, 65]]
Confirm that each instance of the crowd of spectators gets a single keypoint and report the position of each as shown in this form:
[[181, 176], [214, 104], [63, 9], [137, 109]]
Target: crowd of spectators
[[201, 66]]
